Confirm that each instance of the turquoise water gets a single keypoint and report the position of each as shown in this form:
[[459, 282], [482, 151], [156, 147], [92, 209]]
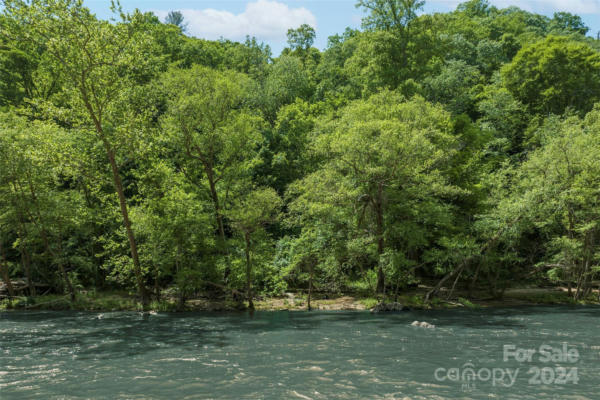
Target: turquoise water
[[299, 355]]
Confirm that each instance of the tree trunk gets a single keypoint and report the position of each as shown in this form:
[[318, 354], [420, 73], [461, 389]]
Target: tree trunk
[[97, 120], [127, 223], [63, 272], [58, 258], [474, 280], [181, 291], [454, 285], [218, 216], [439, 285], [494, 285], [468, 260], [215, 199], [310, 284], [26, 262], [380, 281], [52, 254], [156, 287], [397, 290], [4, 272], [248, 272], [378, 205]]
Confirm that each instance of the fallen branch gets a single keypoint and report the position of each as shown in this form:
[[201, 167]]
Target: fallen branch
[[468, 260]]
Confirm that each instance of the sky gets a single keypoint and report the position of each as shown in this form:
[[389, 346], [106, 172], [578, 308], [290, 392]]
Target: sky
[[269, 20]]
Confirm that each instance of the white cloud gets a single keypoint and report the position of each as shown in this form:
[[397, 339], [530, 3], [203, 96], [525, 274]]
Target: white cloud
[[544, 6], [540, 6], [265, 19]]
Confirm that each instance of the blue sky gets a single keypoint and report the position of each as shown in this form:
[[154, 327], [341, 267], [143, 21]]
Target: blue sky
[[269, 20]]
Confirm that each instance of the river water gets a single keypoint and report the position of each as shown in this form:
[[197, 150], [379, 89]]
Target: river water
[[539, 352]]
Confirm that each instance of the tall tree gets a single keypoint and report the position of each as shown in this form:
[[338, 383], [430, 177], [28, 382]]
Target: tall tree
[[251, 213], [568, 22], [555, 74], [176, 18], [382, 155], [100, 61], [396, 46], [558, 186], [208, 118], [390, 14], [301, 38]]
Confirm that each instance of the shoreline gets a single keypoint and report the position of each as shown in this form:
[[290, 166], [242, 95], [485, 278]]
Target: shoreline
[[121, 301]]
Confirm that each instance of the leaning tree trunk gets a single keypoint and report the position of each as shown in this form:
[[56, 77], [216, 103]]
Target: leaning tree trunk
[[215, 199], [156, 286], [127, 223], [483, 249], [118, 184]]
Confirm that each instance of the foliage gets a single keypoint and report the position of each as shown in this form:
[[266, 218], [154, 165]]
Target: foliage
[[555, 74], [301, 38], [176, 18], [460, 145]]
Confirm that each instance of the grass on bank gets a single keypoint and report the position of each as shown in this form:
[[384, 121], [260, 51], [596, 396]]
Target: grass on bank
[[553, 297], [85, 301], [125, 301]]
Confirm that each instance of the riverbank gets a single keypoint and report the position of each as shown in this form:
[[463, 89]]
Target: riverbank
[[123, 301]]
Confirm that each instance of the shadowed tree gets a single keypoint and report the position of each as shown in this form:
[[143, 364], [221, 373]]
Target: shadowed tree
[[568, 22], [207, 119], [384, 161], [249, 215], [176, 18], [99, 61]]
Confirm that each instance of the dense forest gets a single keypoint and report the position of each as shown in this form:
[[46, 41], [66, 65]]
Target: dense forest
[[456, 148]]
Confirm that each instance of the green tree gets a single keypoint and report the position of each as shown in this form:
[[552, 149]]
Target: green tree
[[381, 153], [396, 44], [504, 116], [287, 81], [176, 18], [332, 79], [249, 214], [208, 118], [555, 74], [390, 14], [284, 155], [99, 61], [557, 185], [31, 155], [175, 228], [301, 38], [475, 8], [567, 22], [456, 87]]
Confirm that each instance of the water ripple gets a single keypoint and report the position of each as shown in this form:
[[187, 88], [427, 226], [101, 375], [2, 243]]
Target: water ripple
[[319, 355]]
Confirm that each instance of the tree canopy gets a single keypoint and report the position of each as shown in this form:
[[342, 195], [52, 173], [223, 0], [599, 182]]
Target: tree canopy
[[456, 148]]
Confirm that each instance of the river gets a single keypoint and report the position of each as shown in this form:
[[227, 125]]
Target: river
[[521, 353]]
